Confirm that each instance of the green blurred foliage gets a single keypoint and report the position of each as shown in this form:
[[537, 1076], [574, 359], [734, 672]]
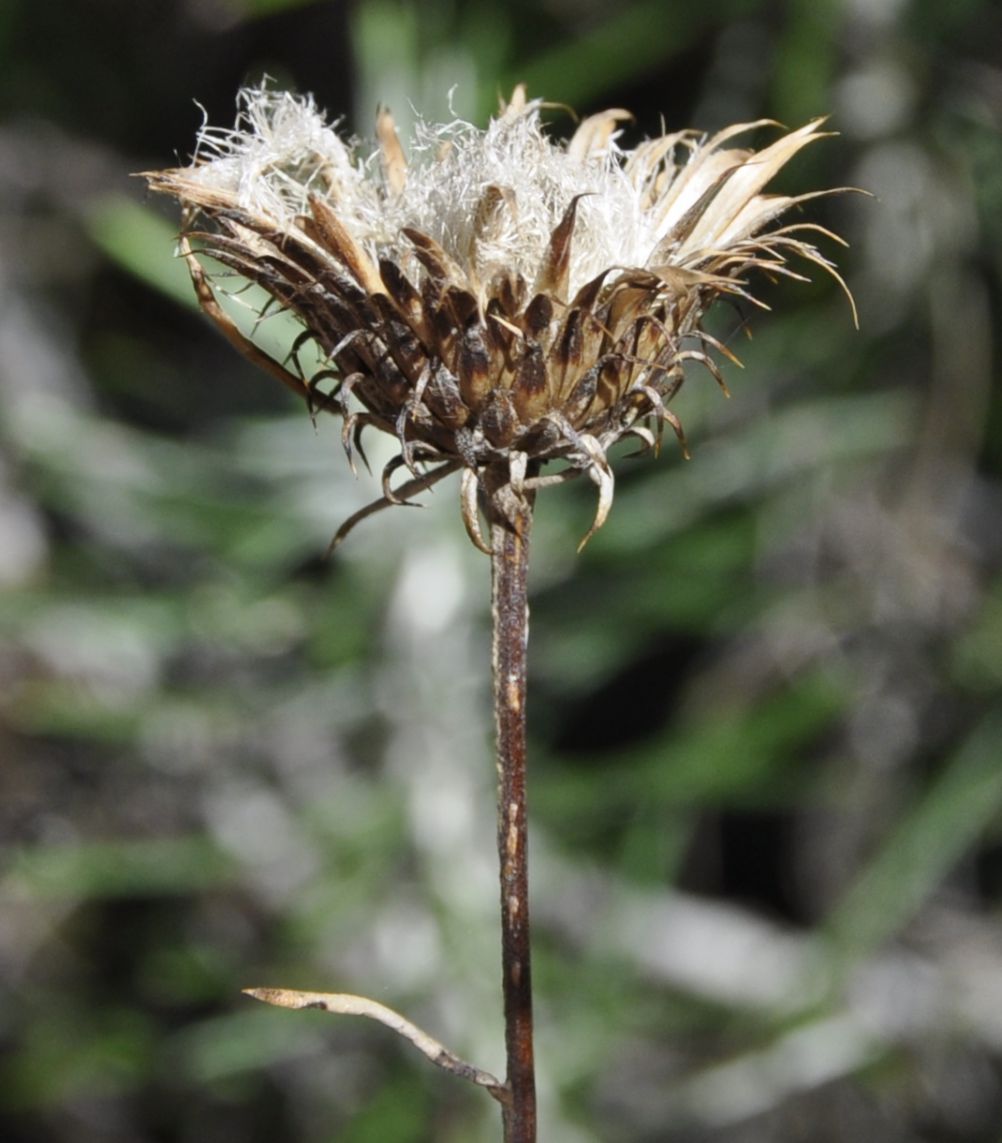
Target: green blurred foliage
[[765, 709]]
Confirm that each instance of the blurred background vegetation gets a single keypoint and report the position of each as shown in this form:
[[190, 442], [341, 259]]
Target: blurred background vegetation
[[766, 723]]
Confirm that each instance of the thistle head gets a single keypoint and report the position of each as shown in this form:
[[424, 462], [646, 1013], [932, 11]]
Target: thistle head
[[492, 299]]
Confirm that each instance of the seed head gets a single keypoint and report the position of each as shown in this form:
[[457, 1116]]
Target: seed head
[[491, 298]]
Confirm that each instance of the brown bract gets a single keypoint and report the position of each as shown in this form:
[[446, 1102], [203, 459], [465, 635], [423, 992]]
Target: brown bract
[[472, 364]]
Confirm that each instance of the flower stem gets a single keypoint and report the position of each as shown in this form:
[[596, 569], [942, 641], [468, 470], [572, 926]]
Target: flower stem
[[510, 529]]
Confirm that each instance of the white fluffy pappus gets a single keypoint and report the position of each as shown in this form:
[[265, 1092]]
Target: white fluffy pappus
[[282, 150]]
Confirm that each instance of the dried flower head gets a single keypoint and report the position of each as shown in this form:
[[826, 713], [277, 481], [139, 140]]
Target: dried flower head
[[492, 299]]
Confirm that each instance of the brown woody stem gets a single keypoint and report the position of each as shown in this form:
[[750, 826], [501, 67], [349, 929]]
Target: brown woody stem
[[510, 515]]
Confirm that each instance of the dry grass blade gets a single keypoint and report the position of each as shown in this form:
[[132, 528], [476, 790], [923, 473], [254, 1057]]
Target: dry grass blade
[[346, 1004]]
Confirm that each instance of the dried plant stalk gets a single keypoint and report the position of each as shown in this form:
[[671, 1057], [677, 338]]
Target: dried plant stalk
[[510, 534], [497, 303]]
